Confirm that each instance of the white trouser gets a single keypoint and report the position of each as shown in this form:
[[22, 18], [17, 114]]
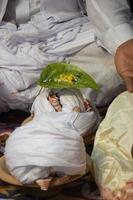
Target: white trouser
[[100, 65], [93, 59]]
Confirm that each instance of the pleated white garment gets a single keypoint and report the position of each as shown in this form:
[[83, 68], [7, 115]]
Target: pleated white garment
[[52, 141]]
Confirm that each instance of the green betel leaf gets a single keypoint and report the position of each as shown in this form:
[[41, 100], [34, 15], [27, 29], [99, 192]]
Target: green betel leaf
[[62, 75]]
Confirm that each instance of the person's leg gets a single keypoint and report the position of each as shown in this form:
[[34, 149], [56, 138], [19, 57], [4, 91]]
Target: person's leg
[[10, 11], [112, 154], [18, 90], [100, 65]]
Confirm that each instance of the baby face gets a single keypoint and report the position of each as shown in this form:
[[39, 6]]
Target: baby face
[[54, 100]]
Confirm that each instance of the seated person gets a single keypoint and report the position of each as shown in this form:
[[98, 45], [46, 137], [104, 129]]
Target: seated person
[[112, 155], [40, 32]]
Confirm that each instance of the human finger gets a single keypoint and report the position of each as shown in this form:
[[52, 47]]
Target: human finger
[[129, 83]]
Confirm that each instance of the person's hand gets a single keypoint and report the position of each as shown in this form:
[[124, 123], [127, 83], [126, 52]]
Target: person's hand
[[124, 63]]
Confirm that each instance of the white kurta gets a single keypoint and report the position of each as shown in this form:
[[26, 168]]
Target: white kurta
[[56, 34]]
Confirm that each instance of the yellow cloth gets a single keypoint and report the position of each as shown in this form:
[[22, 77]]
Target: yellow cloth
[[112, 153]]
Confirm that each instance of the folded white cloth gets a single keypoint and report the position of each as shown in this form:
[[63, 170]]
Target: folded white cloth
[[69, 98], [86, 122], [52, 141]]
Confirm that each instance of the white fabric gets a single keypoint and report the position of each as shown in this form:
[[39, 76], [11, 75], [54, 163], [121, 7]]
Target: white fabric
[[49, 141], [61, 10], [34, 6], [69, 98], [26, 50], [41, 103], [100, 65], [86, 122], [22, 11], [21, 64], [52, 141], [45, 29], [111, 19], [13, 92], [3, 4]]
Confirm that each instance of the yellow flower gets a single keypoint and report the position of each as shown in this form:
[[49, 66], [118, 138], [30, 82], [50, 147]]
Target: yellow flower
[[70, 78]]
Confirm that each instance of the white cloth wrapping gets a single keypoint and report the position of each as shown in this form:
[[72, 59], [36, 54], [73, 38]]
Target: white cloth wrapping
[[86, 122], [48, 144], [69, 98], [51, 142]]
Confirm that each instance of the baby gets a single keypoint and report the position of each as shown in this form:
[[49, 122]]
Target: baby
[[52, 142]]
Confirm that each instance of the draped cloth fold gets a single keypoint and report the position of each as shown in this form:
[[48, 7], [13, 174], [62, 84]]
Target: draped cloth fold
[[52, 142]]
